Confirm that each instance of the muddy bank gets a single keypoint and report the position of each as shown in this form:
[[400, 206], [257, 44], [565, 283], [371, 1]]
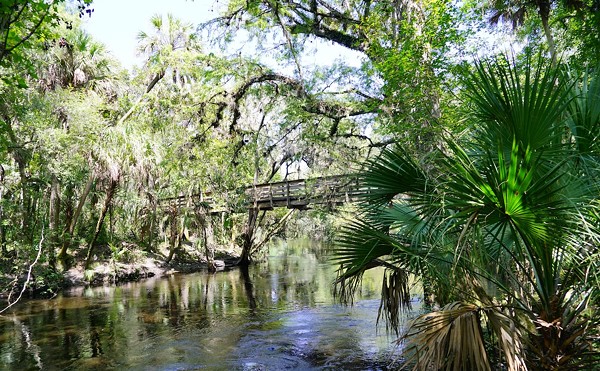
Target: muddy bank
[[47, 282], [116, 272]]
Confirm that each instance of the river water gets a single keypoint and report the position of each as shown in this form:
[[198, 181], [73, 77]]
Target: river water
[[277, 315]]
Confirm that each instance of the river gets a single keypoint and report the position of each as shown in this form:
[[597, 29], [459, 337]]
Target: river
[[279, 314]]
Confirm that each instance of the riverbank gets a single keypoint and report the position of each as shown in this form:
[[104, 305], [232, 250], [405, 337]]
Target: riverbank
[[278, 314], [111, 266]]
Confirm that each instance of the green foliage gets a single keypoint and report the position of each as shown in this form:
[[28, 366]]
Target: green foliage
[[500, 219], [88, 152], [404, 52], [25, 25], [48, 281]]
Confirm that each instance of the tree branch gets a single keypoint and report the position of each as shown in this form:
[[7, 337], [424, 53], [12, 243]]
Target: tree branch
[[39, 253], [339, 111], [31, 32], [338, 37], [151, 86], [276, 228], [329, 109]]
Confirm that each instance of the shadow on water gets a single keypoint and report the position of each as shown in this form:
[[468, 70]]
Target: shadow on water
[[275, 315]]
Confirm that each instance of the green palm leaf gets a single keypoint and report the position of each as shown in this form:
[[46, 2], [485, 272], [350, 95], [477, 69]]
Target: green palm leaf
[[511, 103], [584, 114], [509, 214], [393, 173]]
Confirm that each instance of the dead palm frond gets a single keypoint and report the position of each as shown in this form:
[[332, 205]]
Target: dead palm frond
[[449, 339], [455, 338]]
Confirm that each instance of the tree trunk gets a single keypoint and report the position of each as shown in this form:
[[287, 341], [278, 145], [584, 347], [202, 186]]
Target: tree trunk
[[428, 297], [84, 195], [248, 237], [208, 236], [110, 223], [54, 216], [2, 230], [25, 200], [73, 222], [54, 207], [67, 203], [20, 157], [544, 12], [107, 202], [150, 225], [174, 238]]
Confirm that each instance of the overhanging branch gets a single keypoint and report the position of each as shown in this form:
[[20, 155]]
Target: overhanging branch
[[331, 109]]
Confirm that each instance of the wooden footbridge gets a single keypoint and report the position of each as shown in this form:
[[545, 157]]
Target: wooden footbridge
[[292, 194]]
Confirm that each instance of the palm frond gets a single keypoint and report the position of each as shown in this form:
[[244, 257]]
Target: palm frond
[[454, 338], [395, 296], [518, 103], [448, 339], [508, 337], [584, 113], [393, 173], [359, 244]]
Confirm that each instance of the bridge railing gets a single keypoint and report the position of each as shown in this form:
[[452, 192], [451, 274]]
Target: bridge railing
[[291, 193], [300, 193]]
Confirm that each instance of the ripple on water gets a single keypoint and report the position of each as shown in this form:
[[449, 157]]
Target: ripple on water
[[277, 316]]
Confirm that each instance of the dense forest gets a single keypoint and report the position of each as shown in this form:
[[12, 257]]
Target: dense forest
[[473, 125]]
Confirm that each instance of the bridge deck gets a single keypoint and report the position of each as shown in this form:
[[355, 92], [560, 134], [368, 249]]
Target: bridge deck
[[293, 194]]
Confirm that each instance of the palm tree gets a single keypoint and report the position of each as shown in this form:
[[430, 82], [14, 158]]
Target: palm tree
[[165, 50], [165, 47], [515, 11], [75, 60], [504, 221]]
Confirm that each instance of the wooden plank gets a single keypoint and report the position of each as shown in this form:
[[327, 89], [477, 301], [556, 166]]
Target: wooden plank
[[292, 194]]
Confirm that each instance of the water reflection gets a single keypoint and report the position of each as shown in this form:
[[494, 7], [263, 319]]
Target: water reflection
[[275, 315]]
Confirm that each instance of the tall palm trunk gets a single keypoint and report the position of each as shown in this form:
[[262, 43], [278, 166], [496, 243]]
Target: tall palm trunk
[[54, 216], [544, 13], [107, 202], [73, 222]]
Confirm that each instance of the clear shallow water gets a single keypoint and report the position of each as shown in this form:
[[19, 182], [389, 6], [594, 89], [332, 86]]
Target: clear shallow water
[[278, 315]]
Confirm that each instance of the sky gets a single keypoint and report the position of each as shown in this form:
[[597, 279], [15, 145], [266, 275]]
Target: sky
[[116, 23]]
